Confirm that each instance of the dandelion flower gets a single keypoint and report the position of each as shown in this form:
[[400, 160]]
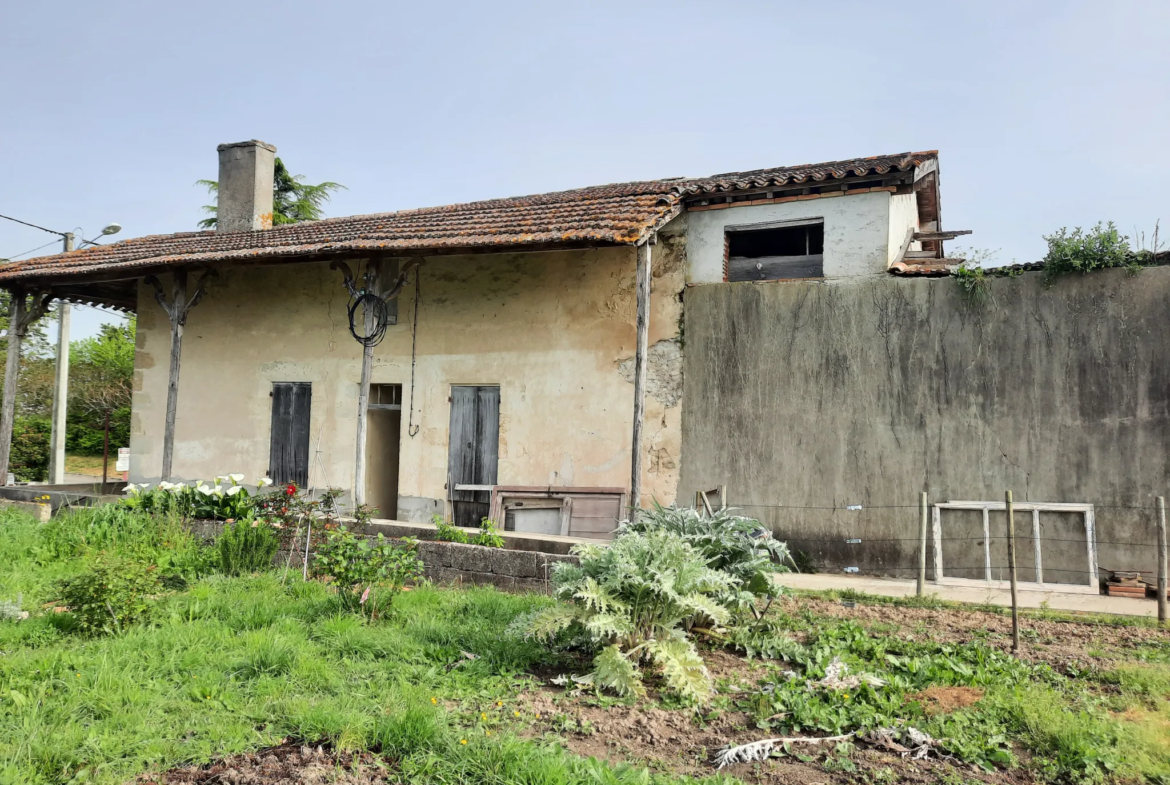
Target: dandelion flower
[[516, 713], [483, 716], [499, 703], [435, 701], [463, 741], [487, 733]]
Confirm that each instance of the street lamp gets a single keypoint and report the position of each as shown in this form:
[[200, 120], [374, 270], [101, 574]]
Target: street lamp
[[61, 380]]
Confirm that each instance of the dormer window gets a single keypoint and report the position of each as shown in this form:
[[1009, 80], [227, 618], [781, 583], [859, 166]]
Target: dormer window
[[776, 251]]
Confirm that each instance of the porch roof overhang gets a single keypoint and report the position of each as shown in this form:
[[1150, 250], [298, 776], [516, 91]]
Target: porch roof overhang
[[623, 214]]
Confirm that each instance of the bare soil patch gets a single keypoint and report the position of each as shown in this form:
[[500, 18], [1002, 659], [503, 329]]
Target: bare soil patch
[[287, 764], [1058, 643], [944, 700]]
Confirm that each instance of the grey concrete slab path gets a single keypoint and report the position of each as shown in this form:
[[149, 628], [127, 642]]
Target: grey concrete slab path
[[1053, 600]]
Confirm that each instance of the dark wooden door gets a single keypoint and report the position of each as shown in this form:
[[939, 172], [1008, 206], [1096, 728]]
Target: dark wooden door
[[288, 455], [473, 450]]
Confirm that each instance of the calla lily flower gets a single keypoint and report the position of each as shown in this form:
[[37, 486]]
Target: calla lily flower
[[232, 491], [235, 478], [264, 482]]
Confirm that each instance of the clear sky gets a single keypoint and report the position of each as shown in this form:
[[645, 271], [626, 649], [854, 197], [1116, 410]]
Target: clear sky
[[1045, 114]]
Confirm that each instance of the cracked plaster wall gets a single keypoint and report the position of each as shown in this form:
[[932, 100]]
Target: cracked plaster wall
[[550, 328], [820, 396]]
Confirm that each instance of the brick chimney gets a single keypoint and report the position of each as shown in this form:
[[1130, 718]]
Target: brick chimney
[[245, 186]]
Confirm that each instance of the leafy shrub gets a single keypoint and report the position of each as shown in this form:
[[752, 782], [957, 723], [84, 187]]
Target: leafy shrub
[[29, 461], [87, 436], [489, 535], [633, 598], [738, 546], [158, 539], [357, 566], [1079, 251], [445, 532], [246, 546], [110, 595]]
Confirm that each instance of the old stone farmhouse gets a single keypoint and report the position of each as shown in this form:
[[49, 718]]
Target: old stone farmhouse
[[800, 349]]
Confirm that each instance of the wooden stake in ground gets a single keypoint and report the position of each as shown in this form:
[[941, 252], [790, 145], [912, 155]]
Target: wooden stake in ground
[[1011, 522], [176, 310], [1162, 560], [24, 309], [922, 527]]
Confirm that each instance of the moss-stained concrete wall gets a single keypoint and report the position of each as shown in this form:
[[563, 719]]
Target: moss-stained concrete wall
[[552, 329], [822, 396]]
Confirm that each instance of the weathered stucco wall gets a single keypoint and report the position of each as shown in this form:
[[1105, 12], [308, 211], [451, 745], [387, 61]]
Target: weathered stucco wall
[[552, 329], [817, 397], [857, 233]]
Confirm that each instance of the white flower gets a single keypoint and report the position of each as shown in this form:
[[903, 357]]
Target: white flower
[[235, 478], [217, 479], [264, 482], [203, 489], [232, 491], [131, 488], [218, 491]]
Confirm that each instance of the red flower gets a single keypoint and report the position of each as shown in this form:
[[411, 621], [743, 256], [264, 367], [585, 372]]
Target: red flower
[[291, 489]]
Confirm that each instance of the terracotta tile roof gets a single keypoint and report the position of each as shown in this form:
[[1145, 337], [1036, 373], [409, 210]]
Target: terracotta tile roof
[[618, 214]]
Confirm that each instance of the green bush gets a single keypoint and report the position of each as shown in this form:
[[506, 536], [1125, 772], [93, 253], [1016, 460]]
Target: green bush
[[633, 598], [246, 546], [738, 546], [86, 436], [445, 532], [1079, 251], [110, 595], [29, 460], [489, 535], [359, 566]]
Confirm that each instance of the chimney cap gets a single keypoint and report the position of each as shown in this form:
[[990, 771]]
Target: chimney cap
[[250, 143]]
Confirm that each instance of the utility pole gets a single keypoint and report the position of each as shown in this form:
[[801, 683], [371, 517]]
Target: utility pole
[[60, 388]]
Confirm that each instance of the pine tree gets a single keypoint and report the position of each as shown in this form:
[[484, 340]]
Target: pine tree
[[293, 199]]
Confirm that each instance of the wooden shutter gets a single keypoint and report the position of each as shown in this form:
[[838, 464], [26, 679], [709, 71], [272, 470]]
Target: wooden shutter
[[288, 456], [473, 450]]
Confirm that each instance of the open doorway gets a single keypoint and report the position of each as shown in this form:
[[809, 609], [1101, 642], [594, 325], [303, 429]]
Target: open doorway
[[383, 437]]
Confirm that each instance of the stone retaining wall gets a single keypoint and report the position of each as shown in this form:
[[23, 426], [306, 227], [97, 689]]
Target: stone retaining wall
[[511, 570]]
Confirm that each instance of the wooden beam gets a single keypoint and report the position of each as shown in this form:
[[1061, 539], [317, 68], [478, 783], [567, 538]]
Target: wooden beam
[[176, 310], [640, 357], [947, 235], [25, 308]]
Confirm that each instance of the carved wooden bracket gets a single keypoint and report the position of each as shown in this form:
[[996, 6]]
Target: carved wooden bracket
[[368, 282], [176, 310], [24, 311]]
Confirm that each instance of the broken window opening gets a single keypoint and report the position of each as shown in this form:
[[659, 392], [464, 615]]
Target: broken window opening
[[776, 252]]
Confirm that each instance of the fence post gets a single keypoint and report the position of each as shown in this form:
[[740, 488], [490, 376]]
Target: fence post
[[1162, 561], [922, 528], [1011, 522]]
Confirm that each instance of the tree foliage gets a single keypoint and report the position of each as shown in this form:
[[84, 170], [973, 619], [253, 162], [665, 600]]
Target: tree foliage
[[293, 200]]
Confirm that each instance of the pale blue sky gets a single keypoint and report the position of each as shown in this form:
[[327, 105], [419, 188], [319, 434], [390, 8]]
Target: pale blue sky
[[1045, 114]]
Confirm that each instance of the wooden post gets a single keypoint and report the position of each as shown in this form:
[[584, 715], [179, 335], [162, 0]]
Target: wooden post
[[642, 347], [23, 312], [1011, 521], [373, 272], [1162, 561], [922, 527], [176, 310], [374, 284]]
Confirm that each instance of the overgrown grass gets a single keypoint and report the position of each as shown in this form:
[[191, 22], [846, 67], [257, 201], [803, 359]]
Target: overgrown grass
[[230, 664]]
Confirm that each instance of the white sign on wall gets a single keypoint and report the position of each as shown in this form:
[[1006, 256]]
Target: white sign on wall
[[123, 464]]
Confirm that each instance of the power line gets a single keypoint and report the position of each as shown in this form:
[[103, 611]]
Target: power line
[[39, 247], [26, 223]]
